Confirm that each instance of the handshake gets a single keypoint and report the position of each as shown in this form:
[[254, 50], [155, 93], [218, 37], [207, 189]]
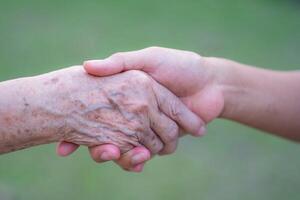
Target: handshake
[[139, 107], [134, 105]]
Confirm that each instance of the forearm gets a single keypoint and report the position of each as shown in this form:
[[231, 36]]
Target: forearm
[[23, 120], [264, 99]]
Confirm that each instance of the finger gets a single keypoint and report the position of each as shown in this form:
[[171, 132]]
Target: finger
[[116, 63], [138, 168], [66, 148], [151, 141], [104, 153], [133, 158], [177, 111], [167, 130]]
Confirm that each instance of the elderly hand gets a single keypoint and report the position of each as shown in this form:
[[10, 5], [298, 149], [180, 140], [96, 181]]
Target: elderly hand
[[127, 110]]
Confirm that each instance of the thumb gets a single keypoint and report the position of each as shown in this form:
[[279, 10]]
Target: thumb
[[119, 62], [103, 67]]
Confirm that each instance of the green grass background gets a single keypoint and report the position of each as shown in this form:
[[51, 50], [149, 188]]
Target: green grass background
[[231, 162]]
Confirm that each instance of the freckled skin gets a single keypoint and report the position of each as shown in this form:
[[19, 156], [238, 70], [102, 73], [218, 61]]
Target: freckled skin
[[72, 106]]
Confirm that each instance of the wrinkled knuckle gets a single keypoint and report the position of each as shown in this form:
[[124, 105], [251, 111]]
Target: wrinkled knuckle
[[135, 125], [175, 110], [169, 138], [172, 134], [156, 147], [141, 107], [146, 138], [149, 140]]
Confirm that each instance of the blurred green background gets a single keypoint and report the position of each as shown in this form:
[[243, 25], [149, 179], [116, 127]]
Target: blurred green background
[[230, 162]]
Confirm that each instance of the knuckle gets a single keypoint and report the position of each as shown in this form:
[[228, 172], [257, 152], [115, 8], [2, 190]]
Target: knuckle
[[144, 138], [156, 147], [172, 134], [156, 56], [197, 58], [160, 146], [155, 51], [140, 107], [135, 125], [194, 55], [117, 56], [175, 111], [153, 48]]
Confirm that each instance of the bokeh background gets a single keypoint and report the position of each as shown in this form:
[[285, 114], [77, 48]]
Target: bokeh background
[[231, 162]]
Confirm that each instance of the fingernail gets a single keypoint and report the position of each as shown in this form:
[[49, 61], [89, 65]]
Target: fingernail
[[201, 131], [105, 156], [137, 159]]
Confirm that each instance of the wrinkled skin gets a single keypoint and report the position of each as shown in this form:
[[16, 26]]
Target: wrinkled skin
[[126, 110], [110, 110]]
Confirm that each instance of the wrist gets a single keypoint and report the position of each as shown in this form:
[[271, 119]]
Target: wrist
[[51, 100], [45, 101], [240, 86], [226, 79], [23, 120]]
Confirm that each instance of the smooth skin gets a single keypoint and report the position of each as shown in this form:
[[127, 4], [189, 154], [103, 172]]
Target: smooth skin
[[210, 87]]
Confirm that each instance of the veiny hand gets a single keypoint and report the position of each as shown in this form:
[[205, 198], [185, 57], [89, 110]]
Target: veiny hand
[[188, 75], [127, 110]]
